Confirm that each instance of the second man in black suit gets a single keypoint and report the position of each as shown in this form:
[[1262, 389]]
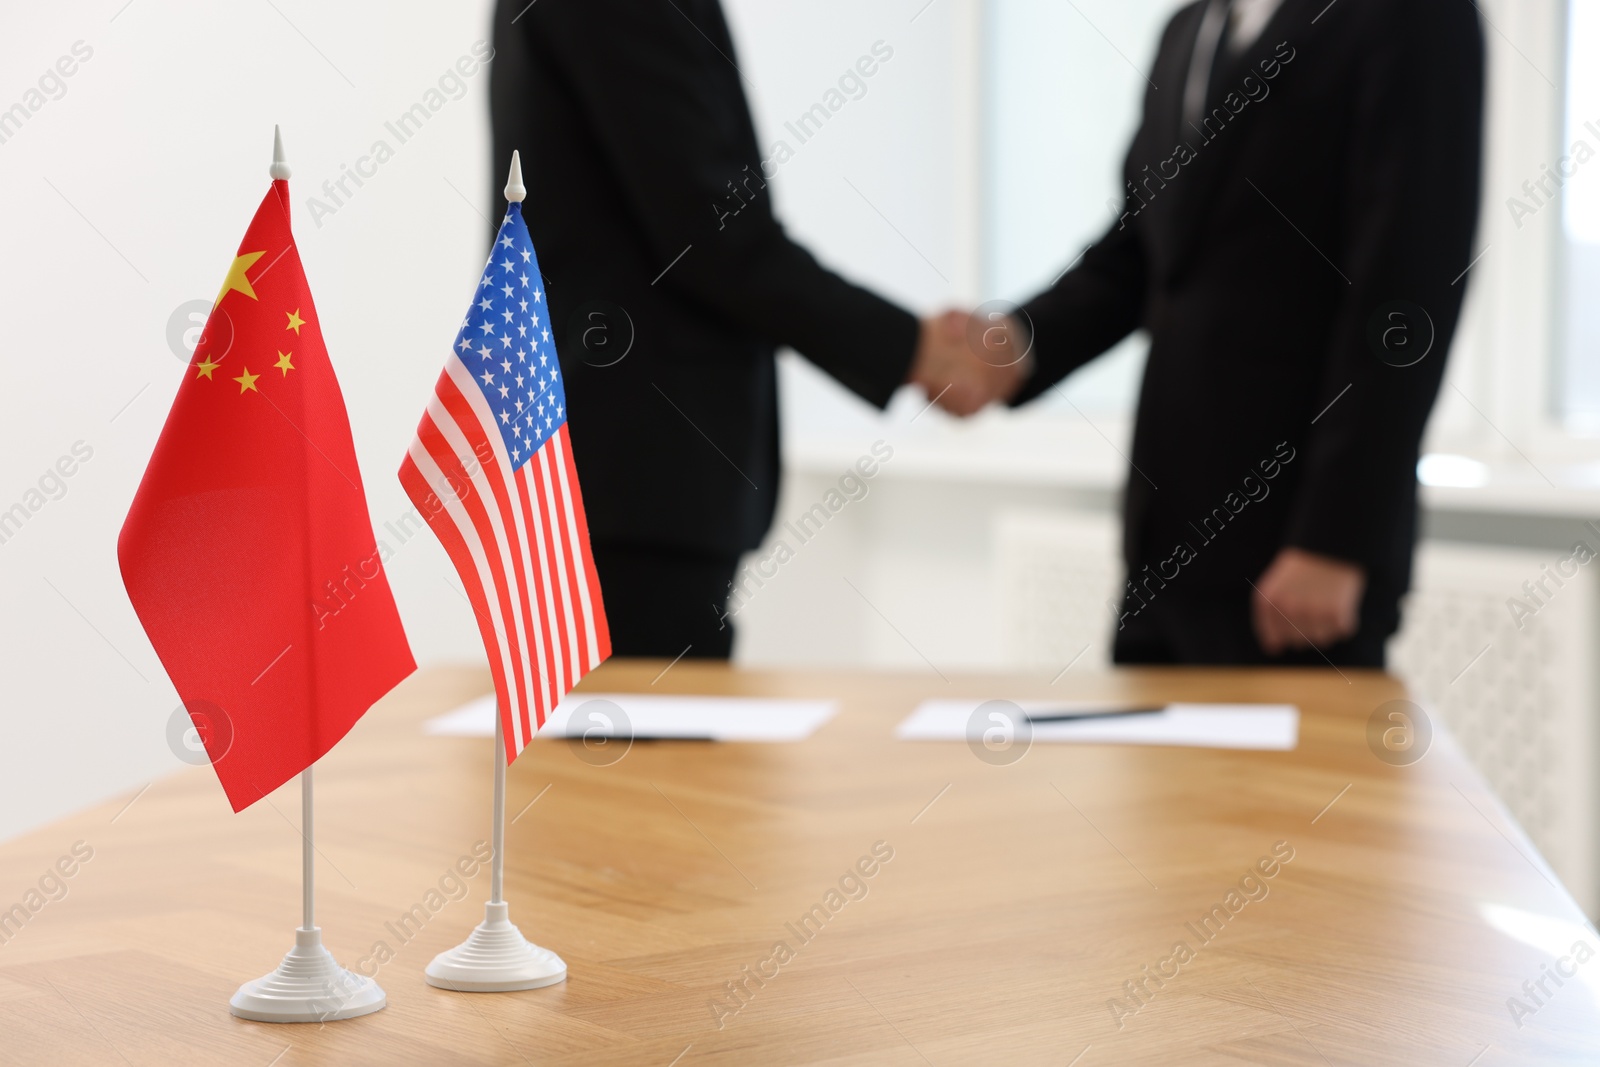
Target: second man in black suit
[[1300, 202]]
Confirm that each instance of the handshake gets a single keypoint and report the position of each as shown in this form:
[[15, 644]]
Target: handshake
[[966, 361]]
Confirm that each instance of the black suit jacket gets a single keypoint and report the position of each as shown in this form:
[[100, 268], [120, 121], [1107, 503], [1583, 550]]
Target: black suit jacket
[[1336, 173], [653, 223]]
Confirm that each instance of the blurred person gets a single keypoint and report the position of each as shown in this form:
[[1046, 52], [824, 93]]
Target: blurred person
[[1300, 200], [671, 285]]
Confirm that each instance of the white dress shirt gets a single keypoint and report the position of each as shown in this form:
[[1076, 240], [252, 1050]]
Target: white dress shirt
[[1245, 19], [1250, 17]]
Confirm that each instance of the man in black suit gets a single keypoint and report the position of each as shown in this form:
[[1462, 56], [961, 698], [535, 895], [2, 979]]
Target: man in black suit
[[670, 286], [1300, 204]]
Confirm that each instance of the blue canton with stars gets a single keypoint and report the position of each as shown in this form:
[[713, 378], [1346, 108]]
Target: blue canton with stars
[[506, 344]]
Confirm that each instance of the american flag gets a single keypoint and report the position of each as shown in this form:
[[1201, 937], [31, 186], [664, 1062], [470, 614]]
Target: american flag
[[490, 469]]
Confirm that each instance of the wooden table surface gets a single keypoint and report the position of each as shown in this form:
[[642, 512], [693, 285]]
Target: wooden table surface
[[1016, 903]]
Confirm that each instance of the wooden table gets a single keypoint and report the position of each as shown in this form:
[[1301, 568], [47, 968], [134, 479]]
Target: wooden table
[[1018, 901]]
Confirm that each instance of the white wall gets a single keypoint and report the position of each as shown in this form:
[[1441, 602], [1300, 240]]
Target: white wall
[[126, 197], [1065, 84], [904, 578]]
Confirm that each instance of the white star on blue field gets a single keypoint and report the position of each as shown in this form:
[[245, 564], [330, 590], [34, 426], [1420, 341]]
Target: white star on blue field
[[505, 342]]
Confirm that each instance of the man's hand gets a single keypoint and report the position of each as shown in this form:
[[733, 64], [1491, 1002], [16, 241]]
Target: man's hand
[[965, 364], [1305, 599]]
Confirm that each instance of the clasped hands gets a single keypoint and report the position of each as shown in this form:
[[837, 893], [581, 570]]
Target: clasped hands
[[965, 362]]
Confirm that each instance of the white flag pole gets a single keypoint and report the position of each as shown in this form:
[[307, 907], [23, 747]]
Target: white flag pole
[[497, 866], [496, 957], [307, 869], [309, 985]]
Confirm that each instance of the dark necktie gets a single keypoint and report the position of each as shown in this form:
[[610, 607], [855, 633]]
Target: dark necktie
[[1208, 44]]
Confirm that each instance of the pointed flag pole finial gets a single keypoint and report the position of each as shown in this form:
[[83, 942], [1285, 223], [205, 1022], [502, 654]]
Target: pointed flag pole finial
[[279, 169], [516, 192]]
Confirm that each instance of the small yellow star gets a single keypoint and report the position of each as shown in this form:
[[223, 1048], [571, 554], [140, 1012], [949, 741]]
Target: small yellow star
[[236, 279], [295, 321], [206, 368], [247, 381], [283, 363]]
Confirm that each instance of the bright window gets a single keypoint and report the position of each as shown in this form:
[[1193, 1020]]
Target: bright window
[[1576, 179]]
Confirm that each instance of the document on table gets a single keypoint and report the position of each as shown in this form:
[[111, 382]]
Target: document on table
[[1247, 726], [655, 715]]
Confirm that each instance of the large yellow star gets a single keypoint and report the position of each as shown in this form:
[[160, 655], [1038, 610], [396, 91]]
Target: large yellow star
[[295, 321], [283, 363], [247, 381], [206, 368], [236, 279]]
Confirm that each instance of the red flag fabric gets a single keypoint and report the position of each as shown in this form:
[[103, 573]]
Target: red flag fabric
[[248, 552]]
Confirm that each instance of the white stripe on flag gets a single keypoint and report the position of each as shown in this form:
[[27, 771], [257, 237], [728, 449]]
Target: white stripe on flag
[[458, 442], [531, 486], [469, 535], [561, 570], [577, 554], [547, 699]]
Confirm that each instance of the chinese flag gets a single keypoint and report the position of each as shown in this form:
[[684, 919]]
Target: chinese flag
[[248, 552]]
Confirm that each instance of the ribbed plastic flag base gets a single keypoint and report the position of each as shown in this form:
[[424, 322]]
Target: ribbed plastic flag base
[[495, 959], [309, 986]]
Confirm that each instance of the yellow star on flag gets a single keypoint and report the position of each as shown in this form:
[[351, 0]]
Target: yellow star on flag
[[247, 381], [295, 321], [283, 363], [206, 368], [236, 279]]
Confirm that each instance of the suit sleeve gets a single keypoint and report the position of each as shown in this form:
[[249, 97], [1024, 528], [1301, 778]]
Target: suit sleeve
[[1090, 308], [1409, 209], [639, 71]]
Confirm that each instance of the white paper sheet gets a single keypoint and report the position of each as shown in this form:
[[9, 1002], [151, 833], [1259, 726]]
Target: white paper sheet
[[1248, 726], [655, 715]]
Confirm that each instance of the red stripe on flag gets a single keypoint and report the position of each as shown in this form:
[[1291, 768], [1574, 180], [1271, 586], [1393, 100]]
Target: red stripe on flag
[[434, 443], [473, 430], [597, 609], [551, 563], [444, 528], [559, 548], [541, 593], [535, 513], [570, 558]]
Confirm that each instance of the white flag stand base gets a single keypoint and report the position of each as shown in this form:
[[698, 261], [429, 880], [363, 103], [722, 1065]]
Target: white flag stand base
[[309, 986], [496, 958]]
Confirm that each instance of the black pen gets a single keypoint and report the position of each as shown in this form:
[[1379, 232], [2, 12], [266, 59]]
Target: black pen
[[1074, 716], [619, 738]]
